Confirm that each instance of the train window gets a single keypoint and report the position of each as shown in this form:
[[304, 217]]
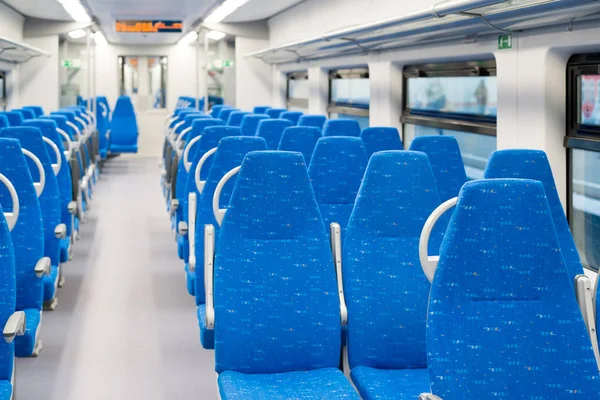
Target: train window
[[583, 155], [297, 91], [457, 99], [3, 101], [349, 95]]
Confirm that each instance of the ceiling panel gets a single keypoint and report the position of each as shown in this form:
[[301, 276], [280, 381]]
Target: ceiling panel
[[46, 9], [255, 10]]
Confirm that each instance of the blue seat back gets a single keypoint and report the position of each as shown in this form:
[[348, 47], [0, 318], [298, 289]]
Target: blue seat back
[[272, 242], [4, 121], [216, 109], [381, 250], [250, 123], [26, 113], [236, 117], [230, 154], [102, 121], [8, 297], [31, 139], [336, 171], [275, 113], [341, 127], [28, 233], [446, 162], [293, 116], [271, 130], [38, 111], [533, 164], [14, 118], [123, 125], [502, 306], [226, 112], [312, 120], [381, 139], [261, 109], [302, 139]]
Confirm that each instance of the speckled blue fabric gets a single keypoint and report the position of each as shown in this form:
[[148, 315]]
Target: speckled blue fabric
[[27, 114], [5, 390], [207, 336], [275, 112], [390, 384], [8, 293], [302, 139], [250, 123], [341, 127], [271, 130], [292, 116], [236, 117], [272, 242], [28, 233], [14, 118], [503, 321], [38, 111], [216, 109], [381, 139], [4, 121], [123, 127], [533, 164], [261, 109], [321, 384], [386, 289], [226, 112], [230, 154], [312, 120], [103, 124], [51, 282], [446, 163], [336, 171], [24, 345]]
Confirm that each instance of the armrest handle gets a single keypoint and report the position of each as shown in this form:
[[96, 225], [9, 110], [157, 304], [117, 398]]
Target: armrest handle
[[174, 207], [15, 326], [220, 213], [55, 166], [209, 258], [199, 183], [182, 228], [336, 249], [39, 186], [583, 289], [13, 216], [186, 153], [192, 204], [60, 231], [72, 207], [429, 263], [42, 267], [429, 396]]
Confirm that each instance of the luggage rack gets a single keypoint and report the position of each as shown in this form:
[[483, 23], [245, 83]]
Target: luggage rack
[[18, 53]]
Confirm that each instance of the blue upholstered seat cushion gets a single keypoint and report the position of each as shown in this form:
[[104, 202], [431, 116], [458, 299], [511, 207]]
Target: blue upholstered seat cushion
[[190, 279], [320, 384], [24, 345], [312, 120], [341, 127], [380, 139], [6, 390], [302, 139], [503, 321], [207, 336], [51, 283], [65, 245], [271, 130], [390, 384]]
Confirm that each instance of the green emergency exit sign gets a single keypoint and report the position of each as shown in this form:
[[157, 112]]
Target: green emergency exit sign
[[504, 42], [70, 63]]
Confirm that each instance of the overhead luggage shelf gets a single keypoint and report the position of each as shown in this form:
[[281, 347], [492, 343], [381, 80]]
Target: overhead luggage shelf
[[18, 53], [459, 20]]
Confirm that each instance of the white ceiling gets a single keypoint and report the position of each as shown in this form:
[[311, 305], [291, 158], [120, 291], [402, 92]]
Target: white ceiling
[[46, 9], [255, 10]]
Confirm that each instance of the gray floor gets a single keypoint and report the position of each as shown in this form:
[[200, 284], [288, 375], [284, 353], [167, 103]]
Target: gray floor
[[125, 327]]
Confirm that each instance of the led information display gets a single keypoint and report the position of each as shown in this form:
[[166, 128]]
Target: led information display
[[150, 26]]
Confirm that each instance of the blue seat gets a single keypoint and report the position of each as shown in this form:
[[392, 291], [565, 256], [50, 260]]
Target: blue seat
[[226, 112], [25, 113], [123, 128], [446, 162], [336, 171], [64, 178], [236, 117], [302, 139], [271, 244], [386, 326], [250, 123], [381, 139], [271, 130], [341, 127], [292, 116], [533, 164], [216, 109], [261, 109], [312, 120], [275, 113], [103, 125], [502, 310], [38, 111], [230, 154], [28, 242], [49, 200], [4, 121], [14, 118]]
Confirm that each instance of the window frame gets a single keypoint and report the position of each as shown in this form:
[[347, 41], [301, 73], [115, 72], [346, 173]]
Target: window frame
[[3, 98], [292, 102], [483, 125], [345, 108]]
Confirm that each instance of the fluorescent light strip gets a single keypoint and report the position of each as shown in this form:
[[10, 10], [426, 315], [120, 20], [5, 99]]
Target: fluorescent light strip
[[100, 39], [75, 10], [215, 35], [77, 34], [225, 9], [189, 38]]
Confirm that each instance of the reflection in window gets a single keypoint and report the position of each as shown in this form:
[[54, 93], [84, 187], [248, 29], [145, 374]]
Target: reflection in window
[[297, 91], [585, 205], [589, 99], [351, 92], [475, 148], [465, 95]]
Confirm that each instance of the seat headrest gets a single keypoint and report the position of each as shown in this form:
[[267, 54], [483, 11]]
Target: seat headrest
[[38, 111], [123, 108], [312, 120], [47, 127], [300, 138], [216, 109], [236, 117], [14, 118], [275, 112], [293, 116], [446, 162], [250, 123], [271, 130], [14, 166], [30, 138], [4, 121], [261, 109], [341, 127], [199, 125], [381, 139], [226, 112]]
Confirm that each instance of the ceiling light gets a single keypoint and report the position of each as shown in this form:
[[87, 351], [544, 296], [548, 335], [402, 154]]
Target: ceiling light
[[100, 39], [77, 34], [75, 10], [189, 38], [221, 12], [215, 35]]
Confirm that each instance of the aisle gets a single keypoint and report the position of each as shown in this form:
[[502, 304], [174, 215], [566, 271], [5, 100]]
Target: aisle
[[125, 327]]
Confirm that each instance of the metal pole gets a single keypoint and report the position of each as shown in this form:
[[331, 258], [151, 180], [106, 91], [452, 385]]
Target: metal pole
[[198, 73], [89, 68], [95, 78], [206, 68]]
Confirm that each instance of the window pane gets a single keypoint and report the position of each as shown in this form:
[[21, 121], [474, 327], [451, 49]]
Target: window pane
[[298, 89], [475, 148], [356, 92], [585, 202], [589, 100], [362, 121], [465, 95]]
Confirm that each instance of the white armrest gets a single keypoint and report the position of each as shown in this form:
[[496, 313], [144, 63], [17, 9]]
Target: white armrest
[[583, 291], [220, 213], [182, 228], [209, 257], [42, 267], [11, 217], [108, 134], [336, 250], [429, 263], [429, 396], [192, 204], [15, 326], [39, 186], [72, 207], [174, 207], [200, 184], [60, 231]]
